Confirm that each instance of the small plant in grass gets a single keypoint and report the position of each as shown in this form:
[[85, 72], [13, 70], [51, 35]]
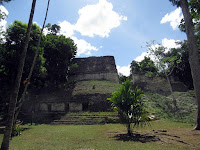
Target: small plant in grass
[[17, 128], [129, 105], [93, 86]]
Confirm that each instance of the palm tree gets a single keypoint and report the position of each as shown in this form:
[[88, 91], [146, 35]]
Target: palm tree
[[129, 105]]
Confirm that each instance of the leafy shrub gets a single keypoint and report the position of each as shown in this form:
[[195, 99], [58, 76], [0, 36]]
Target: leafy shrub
[[129, 105], [17, 128]]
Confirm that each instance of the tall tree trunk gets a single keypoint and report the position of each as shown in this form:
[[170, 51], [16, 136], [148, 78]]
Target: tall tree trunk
[[13, 98], [193, 56], [32, 67]]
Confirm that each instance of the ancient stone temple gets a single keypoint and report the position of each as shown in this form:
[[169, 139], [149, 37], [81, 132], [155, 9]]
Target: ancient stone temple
[[95, 68], [94, 80]]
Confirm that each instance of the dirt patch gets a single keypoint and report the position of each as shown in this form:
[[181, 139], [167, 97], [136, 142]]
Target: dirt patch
[[136, 136], [179, 136], [167, 137]]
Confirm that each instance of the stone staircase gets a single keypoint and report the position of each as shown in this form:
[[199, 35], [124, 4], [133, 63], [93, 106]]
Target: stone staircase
[[82, 119]]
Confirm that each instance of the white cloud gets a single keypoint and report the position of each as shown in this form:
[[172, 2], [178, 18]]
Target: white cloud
[[167, 43], [83, 47], [45, 31], [3, 22], [67, 28], [98, 19], [171, 43], [3, 9], [37, 24], [141, 57], [174, 18], [124, 70]]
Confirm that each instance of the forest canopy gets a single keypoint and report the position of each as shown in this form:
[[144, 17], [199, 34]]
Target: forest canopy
[[52, 65]]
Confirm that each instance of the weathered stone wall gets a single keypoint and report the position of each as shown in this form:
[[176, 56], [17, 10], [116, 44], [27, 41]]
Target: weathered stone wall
[[94, 102], [157, 84], [95, 68], [46, 102], [60, 101]]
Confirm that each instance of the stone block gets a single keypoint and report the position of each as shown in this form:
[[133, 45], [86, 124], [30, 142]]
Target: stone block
[[60, 107], [44, 107], [95, 68], [75, 107]]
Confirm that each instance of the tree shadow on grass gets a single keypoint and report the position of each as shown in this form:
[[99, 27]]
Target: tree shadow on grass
[[137, 137]]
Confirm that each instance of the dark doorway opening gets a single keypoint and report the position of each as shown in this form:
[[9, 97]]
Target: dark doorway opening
[[67, 107], [85, 106], [49, 107]]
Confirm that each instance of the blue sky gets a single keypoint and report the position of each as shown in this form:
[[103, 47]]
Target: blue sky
[[107, 27]]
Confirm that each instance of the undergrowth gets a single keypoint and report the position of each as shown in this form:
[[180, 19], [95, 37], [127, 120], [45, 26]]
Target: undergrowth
[[162, 106]]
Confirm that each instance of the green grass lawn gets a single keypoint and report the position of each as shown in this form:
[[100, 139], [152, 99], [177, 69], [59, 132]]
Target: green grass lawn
[[103, 137]]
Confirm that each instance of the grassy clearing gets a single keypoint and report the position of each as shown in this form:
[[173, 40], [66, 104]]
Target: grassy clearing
[[109, 137], [94, 86]]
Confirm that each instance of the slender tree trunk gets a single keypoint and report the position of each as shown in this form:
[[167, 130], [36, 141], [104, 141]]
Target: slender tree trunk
[[129, 129], [13, 98], [32, 67], [172, 93], [193, 56]]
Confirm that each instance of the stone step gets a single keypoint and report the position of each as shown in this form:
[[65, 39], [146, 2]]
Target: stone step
[[78, 115], [74, 122], [86, 119]]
